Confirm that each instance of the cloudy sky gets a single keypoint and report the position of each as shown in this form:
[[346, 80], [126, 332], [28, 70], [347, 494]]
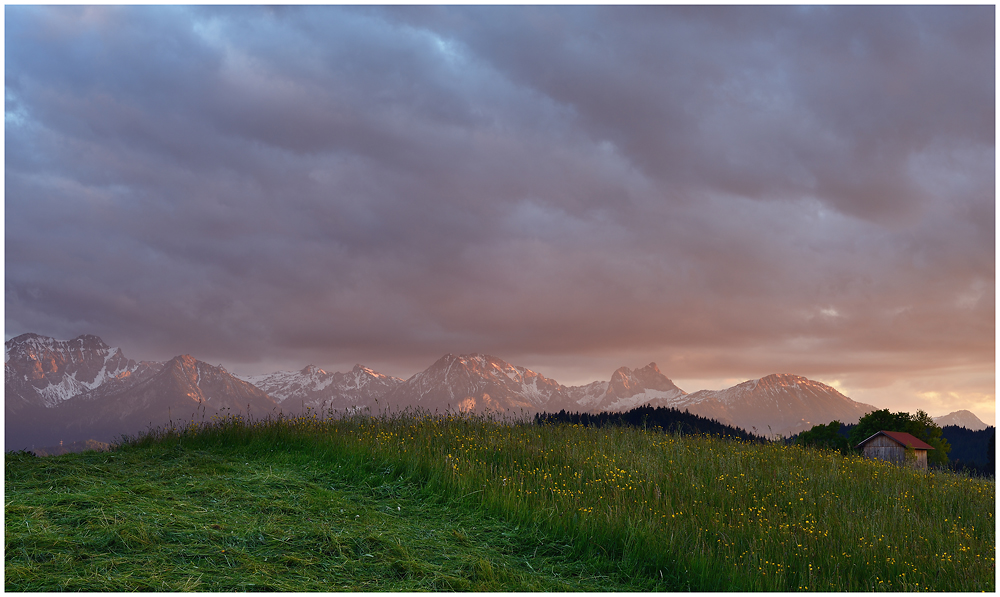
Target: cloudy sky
[[729, 192]]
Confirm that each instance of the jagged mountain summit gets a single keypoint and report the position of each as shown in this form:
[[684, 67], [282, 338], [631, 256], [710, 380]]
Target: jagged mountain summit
[[313, 388], [476, 382], [778, 404], [630, 388], [44, 372], [961, 418], [627, 389], [181, 390]]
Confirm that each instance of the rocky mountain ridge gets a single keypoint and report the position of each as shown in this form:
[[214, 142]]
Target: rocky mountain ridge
[[476, 382], [98, 388], [109, 395], [41, 371], [313, 388], [777, 404], [630, 388]]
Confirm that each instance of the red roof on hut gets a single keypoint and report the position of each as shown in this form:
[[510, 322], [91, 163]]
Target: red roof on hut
[[903, 439]]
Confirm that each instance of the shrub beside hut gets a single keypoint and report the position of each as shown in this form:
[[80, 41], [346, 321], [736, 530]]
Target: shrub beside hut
[[894, 446]]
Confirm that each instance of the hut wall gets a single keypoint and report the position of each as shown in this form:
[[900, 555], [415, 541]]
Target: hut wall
[[884, 448]]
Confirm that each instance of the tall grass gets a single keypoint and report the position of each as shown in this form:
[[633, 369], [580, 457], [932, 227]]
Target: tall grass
[[695, 513]]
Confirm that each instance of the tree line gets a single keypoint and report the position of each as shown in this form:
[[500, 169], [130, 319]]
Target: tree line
[[974, 450], [668, 419]]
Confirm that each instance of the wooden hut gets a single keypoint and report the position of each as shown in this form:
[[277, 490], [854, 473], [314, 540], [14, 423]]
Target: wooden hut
[[892, 446]]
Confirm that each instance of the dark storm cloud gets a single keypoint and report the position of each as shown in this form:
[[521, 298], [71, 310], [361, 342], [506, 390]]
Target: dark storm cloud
[[340, 184], [768, 103]]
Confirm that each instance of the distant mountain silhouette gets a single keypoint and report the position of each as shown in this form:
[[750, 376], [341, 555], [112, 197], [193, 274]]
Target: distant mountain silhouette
[[961, 418]]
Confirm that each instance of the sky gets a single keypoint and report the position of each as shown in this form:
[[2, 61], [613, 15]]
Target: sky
[[729, 192]]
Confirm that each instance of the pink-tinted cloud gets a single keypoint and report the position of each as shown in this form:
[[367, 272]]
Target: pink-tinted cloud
[[727, 190]]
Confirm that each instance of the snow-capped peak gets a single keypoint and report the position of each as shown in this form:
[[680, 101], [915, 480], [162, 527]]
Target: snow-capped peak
[[312, 387], [57, 370]]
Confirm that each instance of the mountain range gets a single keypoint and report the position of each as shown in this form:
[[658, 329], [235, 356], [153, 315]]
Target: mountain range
[[313, 388], [80, 389]]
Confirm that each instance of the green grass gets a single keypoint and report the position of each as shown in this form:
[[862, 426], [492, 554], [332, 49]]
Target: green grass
[[168, 518], [414, 502]]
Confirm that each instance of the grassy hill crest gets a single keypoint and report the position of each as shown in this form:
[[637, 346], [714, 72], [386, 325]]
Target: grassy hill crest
[[411, 501]]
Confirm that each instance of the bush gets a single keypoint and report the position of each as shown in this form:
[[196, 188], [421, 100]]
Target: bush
[[825, 436]]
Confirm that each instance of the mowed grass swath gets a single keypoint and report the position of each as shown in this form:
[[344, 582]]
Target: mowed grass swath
[[168, 518], [695, 513]]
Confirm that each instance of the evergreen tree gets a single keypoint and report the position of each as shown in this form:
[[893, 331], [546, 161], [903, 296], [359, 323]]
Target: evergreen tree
[[992, 449]]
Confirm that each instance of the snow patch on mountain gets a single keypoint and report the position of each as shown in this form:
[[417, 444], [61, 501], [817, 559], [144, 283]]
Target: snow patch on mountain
[[778, 404], [588, 397], [317, 389], [282, 385], [57, 370], [666, 398]]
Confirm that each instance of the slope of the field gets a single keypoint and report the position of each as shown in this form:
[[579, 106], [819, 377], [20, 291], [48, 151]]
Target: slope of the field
[[305, 504], [168, 519]]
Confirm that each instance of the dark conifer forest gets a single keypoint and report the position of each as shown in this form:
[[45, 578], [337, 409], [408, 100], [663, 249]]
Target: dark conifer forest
[[971, 451], [670, 420]]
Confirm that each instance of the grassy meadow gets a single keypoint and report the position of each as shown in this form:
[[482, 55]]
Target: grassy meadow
[[413, 502]]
